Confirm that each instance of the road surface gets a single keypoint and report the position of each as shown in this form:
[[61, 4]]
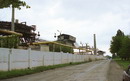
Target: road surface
[[115, 72], [92, 71]]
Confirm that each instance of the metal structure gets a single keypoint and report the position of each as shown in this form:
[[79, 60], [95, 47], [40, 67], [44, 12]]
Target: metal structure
[[28, 32], [66, 39]]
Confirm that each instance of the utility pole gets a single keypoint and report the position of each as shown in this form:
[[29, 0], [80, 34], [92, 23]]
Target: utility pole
[[12, 22], [59, 31], [95, 49]]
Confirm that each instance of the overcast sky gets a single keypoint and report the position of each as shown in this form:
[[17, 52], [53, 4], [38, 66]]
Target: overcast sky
[[79, 18]]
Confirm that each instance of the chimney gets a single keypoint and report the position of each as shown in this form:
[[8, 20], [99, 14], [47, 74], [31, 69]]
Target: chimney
[[95, 51]]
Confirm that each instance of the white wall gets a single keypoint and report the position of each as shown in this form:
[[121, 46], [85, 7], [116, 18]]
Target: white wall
[[4, 63], [20, 59]]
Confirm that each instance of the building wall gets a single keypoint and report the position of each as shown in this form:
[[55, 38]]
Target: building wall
[[44, 48], [20, 59]]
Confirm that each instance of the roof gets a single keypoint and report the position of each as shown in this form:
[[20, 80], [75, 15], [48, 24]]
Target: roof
[[66, 35]]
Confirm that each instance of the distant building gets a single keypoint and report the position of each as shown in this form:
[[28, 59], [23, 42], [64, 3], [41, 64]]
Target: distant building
[[100, 52], [66, 39]]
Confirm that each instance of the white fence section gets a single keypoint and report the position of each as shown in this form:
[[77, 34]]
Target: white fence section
[[20, 59]]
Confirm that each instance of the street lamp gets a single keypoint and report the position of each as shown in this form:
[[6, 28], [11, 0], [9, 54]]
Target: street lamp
[[59, 31], [54, 35]]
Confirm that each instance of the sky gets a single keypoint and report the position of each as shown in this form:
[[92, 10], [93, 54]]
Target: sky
[[79, 18]]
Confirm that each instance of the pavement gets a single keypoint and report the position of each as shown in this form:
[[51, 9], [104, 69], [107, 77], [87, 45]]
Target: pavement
[[115, 72], [92, 71]]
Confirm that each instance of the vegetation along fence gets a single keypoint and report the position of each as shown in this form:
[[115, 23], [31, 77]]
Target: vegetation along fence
[[10, 41]]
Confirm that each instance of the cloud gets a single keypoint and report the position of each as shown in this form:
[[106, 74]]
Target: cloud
[[79, 18]]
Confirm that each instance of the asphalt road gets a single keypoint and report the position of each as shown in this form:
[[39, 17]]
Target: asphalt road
[[93, 71]]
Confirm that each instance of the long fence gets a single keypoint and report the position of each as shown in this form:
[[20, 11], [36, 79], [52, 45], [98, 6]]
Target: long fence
[[20, 59]]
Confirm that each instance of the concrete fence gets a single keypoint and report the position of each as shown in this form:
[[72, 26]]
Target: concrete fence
[[20, 59]]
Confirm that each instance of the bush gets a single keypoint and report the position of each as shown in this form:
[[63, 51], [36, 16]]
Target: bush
[[10, 41], [59, 48]]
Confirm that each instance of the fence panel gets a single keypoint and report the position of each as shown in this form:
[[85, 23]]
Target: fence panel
[[19, 59], [4, 61], [70, 58], [64, 58], [57, 58], [37, 58], [48, 58]]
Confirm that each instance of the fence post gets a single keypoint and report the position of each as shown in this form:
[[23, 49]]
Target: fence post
[[67, 57], [77, 58], [9, 60], [29, 58], [84, 58], [43, 60], [72, 57], [53, 59], [61, 57]]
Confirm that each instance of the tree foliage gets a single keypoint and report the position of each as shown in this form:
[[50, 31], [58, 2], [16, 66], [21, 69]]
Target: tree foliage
[[120, 33], [60, 48], [13, 3], [116, 42], [120, 45], [10, 41], [125, 49]]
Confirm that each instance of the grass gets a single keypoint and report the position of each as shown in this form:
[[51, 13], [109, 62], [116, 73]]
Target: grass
[[123, 63], [21, 72]]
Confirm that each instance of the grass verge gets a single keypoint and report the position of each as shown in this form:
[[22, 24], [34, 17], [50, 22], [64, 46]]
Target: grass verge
[[123, 63], [21, 72]]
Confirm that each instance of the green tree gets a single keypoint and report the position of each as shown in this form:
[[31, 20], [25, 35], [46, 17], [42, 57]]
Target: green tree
[[14, 4], [125, 49], [116, 43], [120, 33]]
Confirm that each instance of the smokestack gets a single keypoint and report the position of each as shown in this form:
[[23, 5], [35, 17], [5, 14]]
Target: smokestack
[[95, 51]]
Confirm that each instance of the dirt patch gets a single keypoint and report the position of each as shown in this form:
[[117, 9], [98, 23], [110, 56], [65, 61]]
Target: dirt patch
[[115, 72]]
